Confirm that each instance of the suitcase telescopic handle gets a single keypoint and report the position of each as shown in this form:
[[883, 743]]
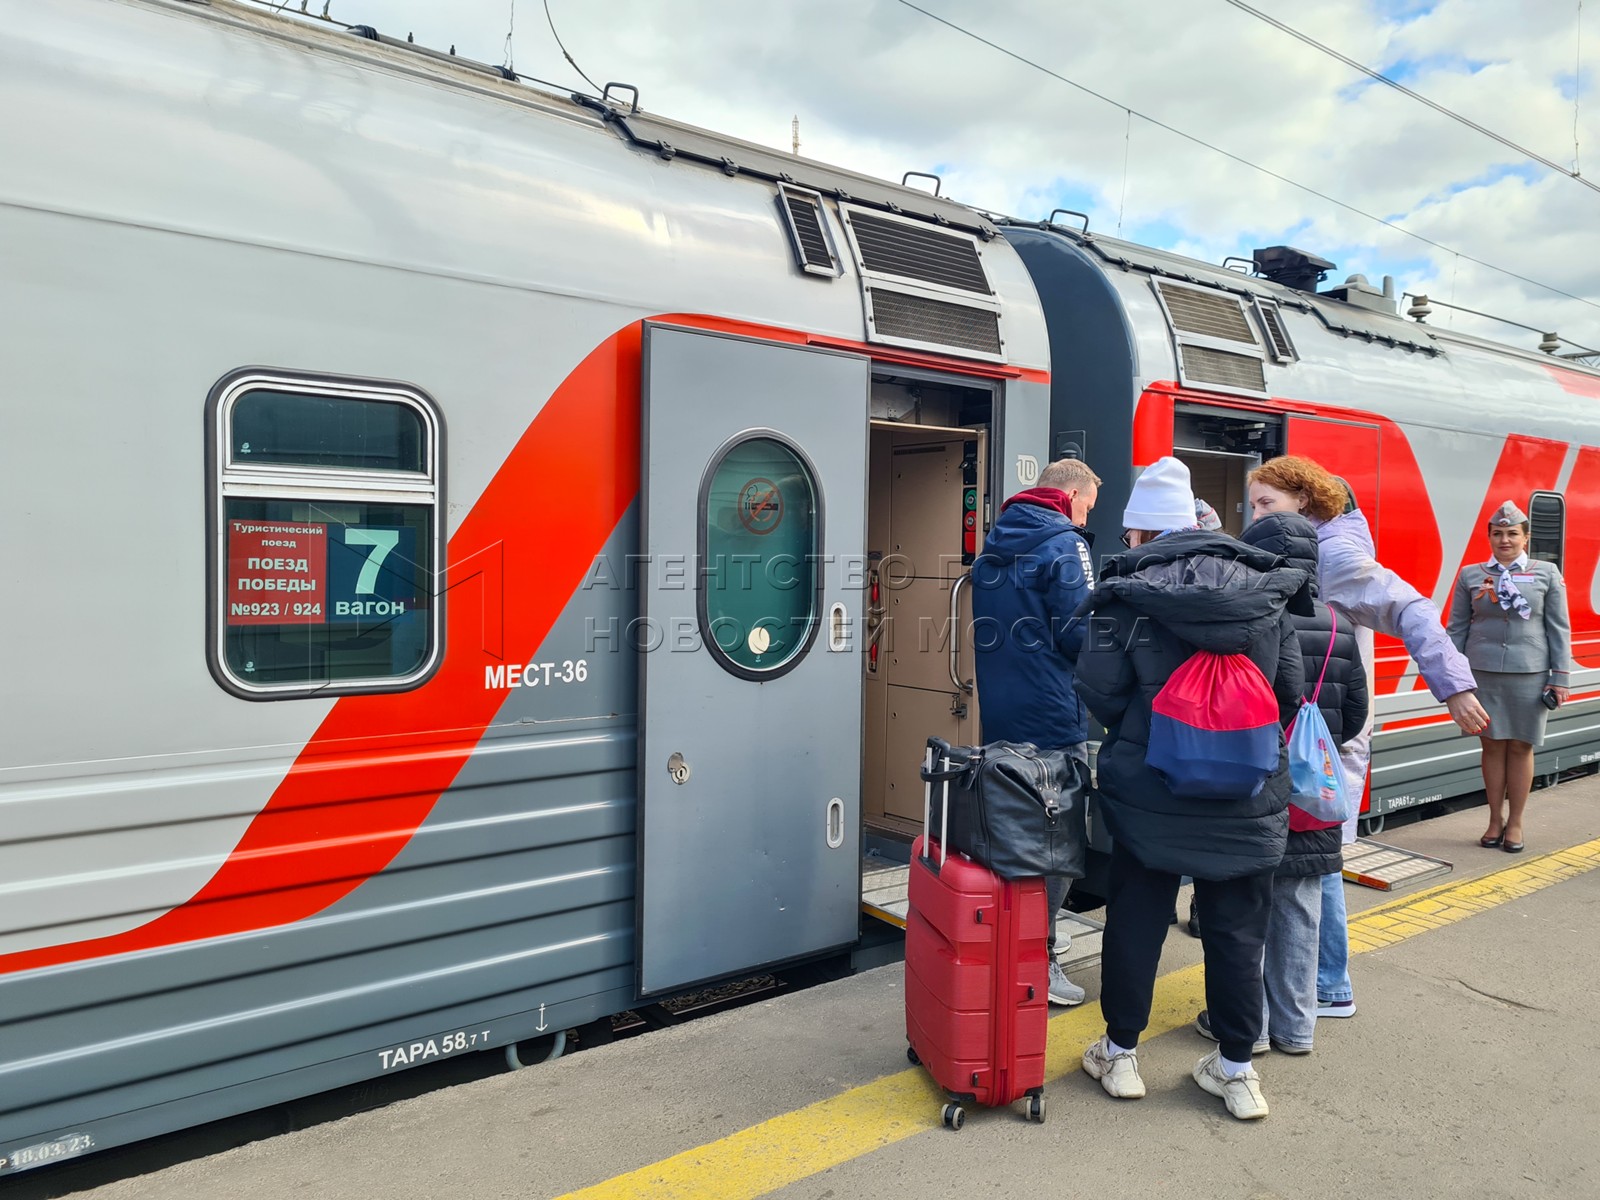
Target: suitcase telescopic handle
[[944, 815], [927, 797], [927, 801]]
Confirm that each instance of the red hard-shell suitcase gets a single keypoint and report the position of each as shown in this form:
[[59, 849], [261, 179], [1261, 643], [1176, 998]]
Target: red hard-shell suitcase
[[976, 979]]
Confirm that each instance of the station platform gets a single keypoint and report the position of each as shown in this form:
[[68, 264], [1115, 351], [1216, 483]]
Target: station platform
[[1472, 1067]]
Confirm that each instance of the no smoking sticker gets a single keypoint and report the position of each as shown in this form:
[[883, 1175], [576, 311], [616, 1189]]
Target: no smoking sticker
[[760, 506]]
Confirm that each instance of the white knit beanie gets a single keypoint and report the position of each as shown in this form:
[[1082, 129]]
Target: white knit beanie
[[1161, 498]]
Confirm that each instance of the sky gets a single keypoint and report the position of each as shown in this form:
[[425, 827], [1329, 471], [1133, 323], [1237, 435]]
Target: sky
[[883, 88]]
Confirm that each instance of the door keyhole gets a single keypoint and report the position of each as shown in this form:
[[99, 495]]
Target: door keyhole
[[678, 769]]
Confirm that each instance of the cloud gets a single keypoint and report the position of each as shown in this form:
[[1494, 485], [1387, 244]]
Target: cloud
[[881, 88]]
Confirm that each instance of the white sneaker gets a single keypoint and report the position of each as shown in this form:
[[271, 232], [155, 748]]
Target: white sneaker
[[1202, 1026], [1117, 1073], [1062, 990], [1241, 1092], [1336, 1008]]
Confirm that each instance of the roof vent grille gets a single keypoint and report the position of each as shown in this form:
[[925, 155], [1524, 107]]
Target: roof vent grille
[[1201, 364], [1206, 313], [808, 231], [1277, 336], [921, 319], [912, 251]]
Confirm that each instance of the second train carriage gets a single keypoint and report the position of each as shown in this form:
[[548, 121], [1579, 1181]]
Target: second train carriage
[[1156, 354]]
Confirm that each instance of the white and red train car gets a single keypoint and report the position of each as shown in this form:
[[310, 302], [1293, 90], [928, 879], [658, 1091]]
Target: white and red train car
[[1154, 354], [484, 559], [447, 521]]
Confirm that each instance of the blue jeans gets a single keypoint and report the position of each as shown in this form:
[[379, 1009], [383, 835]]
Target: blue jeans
[[1056, 887], [1289, 967], [1333, 948]]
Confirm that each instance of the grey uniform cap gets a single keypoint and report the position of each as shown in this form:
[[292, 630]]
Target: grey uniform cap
[[1508, 514]]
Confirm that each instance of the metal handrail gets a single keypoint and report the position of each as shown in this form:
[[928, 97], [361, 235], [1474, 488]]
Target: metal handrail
[[955, 633]]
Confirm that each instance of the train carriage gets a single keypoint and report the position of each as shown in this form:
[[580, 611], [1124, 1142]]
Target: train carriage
[[1156, 354], [463, 530]]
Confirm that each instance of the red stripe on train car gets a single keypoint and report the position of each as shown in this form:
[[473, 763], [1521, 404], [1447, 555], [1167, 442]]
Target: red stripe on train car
[[1583, 555], [1573, 381], [556, 499]]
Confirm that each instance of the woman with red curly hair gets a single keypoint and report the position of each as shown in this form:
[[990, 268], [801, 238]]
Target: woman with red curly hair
[[1368, 595]]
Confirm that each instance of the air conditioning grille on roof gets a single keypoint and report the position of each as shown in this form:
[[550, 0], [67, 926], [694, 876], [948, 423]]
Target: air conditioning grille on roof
[[1201, 364], [1206, 314], [917, 252], [920, 319]]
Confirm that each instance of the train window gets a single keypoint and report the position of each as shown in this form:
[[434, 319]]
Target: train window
[[1547, 522], [325, 505], [293, 429], [760, 550]]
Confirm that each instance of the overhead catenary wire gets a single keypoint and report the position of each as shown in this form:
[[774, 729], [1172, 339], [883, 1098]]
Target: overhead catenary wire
[[1417, 96], [563, 49], [1127, 150], [1577, 92], [1579, 346], [1271, 174]]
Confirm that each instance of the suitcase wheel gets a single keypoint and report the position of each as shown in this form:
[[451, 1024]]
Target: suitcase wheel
[[955, 1116], [911, 1056], [1036, 1109]]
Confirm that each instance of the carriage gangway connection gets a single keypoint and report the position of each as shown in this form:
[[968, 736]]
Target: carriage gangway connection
[[1471, 1067]]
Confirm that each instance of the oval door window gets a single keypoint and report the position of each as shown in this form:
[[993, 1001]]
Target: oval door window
[[759, 583]]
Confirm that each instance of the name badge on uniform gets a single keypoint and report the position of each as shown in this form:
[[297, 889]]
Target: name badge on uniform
[[1529, 578]]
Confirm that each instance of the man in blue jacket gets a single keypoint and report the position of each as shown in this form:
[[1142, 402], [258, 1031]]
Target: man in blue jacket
[[1034, 573]]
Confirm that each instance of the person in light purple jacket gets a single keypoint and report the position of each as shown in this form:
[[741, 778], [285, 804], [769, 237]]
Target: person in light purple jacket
[[1363, 591]]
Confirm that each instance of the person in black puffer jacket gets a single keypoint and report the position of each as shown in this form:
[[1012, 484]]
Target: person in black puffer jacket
[[1290, 968], [1181, 589]]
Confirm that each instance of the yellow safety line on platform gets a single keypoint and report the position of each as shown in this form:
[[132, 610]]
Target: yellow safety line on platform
[[799, 1144]]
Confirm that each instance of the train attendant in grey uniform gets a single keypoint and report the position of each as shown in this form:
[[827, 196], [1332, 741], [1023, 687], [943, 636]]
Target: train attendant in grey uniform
[[1509, 617]]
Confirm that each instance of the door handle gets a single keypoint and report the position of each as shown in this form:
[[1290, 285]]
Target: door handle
[[835, 823], [955, 633]]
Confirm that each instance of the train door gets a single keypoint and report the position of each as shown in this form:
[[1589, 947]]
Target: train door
[[1220, 446], [928, 507], [1348, 449], [753, 494]]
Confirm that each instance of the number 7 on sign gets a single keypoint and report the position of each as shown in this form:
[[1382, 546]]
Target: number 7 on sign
[[381, 542]]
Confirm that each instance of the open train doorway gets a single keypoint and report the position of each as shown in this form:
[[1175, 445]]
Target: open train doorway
[[929, 503], [1221, 446]]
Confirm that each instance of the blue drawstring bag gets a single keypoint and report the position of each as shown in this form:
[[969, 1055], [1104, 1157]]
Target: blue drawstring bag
[[1316, 780]]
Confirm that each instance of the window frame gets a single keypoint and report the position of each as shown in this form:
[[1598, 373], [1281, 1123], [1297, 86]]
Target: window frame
[[1561, 547], [227, 479], [818, 568]]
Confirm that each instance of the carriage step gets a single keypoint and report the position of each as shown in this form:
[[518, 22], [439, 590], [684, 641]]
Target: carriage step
[[1375, 865]]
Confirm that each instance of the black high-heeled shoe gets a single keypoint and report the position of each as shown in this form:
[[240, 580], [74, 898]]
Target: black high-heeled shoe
[[1492, 843]]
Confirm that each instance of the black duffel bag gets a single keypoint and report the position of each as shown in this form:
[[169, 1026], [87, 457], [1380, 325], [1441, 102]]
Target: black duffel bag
[[1014, 808]]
